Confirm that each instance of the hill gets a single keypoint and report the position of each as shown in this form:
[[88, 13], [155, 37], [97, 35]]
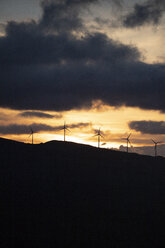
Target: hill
[[61, 194]]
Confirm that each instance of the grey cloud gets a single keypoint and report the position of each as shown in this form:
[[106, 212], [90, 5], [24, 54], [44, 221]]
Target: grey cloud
[[102, 21], [79, 125], [39, 115], [150, 12], [24, 129], [25, 44], [148, 127], [47, 71], [63, 15], [119, 3], [146, 150], [37, 127], [105, 22], [149, 150], [77, 85]]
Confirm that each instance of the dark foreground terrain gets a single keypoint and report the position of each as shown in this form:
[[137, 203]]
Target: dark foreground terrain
[[61, 194]]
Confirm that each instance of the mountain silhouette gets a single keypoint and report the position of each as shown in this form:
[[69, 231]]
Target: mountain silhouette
[[63, 194]]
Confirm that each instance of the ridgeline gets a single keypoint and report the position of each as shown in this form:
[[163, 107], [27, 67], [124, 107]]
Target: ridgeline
[[62, 194]]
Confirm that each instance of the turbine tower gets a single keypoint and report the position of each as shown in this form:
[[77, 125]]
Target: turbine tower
[[65, 129], [155, 147], [31, 134], [99, 137], [128, 141]]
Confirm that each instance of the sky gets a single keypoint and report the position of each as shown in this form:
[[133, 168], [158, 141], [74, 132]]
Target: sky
[[95, 64]]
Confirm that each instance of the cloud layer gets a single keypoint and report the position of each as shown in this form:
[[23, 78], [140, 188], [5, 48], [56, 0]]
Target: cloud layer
[[146, 150], [37, 127], [45, 66], [64, 15], [148, 127], [149, 12], [39, 115]]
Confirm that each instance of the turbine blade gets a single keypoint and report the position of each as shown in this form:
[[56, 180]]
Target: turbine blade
[[129, 136]]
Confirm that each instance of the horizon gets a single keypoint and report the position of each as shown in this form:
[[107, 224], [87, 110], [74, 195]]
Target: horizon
[[150, 151], [94, 64]]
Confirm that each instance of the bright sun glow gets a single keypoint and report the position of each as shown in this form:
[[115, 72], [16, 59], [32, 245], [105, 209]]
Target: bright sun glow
[[113, 123]]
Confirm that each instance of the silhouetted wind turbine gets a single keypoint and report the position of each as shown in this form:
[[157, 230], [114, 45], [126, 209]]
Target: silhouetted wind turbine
[[99, 136], [65, 129], [31, 134], [155, 147], [128, 141]]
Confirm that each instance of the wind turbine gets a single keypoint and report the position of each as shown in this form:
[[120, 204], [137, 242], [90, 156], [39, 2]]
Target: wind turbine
[[99, 136], [155, 147], [128, 141], [31, 134], [65, 129]]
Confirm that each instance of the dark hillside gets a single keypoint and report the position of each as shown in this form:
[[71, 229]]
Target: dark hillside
[[62, 194]]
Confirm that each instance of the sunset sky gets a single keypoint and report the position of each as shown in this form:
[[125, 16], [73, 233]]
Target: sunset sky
[[91, 63]]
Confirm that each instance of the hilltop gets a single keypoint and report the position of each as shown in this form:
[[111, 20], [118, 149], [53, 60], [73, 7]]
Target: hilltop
[[62, 194]]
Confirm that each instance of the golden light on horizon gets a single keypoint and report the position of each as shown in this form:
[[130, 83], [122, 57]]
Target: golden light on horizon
[[112, 121]]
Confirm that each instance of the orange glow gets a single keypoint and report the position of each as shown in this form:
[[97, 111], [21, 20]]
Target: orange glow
[[112, 121]]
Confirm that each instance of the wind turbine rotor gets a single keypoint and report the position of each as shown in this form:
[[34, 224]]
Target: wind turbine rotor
[[31, 134], [127, 140], [154, 141]]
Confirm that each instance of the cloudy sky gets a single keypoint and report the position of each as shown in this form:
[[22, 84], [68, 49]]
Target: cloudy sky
[[92, 63]]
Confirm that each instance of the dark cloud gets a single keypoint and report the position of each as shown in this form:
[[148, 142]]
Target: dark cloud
[[105, 23], [118, 3], [37, 127], [148, 127], [39, 115], [102, 21], [149, 12], [58, 71], [25, 44], [63, 15], [78, 125], [76, 85]]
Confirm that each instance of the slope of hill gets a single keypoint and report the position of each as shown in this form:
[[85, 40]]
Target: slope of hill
[[61, 194]]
